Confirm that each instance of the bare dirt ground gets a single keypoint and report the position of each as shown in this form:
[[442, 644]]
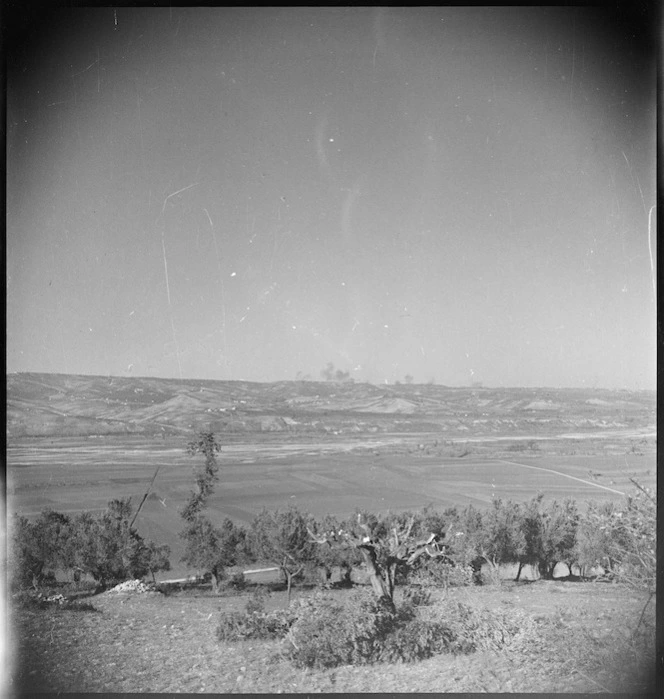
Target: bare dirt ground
[[582, 640]]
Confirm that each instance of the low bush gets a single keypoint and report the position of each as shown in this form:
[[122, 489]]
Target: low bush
[[322, 632], [328, 634], [478, 628], [416, 596], [237, 582], [256, 603], [418, 639], [435, 573], [260, 625]]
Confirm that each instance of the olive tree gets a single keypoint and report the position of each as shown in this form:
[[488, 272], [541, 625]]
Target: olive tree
[[213, 549], [384, 549], [109, 549], [208, 547], [550, 534], [283, 538], [39, 548], [622, 538], [493, 536], [329, 557]]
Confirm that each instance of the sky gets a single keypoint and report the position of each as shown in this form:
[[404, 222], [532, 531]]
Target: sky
[[462, 195]]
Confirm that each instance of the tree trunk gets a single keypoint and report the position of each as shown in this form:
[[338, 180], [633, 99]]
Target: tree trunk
[[289, 585], [216, 578], [345, 578], [289, 579], [546, 569], [518, 573], [325, 575], [379, 585], [476, 565]]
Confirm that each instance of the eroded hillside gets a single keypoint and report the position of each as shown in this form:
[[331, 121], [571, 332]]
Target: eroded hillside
[[61, 405]]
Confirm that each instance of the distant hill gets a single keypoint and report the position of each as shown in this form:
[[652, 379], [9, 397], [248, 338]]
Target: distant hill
[[62, 405]]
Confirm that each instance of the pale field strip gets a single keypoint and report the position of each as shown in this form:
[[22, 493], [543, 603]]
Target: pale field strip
[[16, 454], [560, 473]]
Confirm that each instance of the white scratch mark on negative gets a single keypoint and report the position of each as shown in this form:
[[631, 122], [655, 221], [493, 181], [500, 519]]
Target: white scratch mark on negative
[[559, 473]]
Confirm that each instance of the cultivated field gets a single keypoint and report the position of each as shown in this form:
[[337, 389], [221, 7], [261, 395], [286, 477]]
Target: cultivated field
[[74, 474]]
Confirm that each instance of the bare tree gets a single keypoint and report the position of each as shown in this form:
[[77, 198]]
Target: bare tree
[[384, 550]]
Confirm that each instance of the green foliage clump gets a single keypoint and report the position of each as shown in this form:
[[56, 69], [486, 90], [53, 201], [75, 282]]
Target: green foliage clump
[[364, 631], [207, 445], [283, 537], [256, 624], [214, 548], [481, 629], [237, 582], [437, 573], [327, 557], [103, 545], [109, 549], [418, 639], [622, 538], [38, 548], [550, 532]]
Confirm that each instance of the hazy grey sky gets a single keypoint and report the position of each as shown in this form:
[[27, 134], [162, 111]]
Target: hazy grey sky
[[459, 194]]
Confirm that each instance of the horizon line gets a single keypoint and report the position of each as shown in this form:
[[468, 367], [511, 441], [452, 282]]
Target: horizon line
[[351, 381]]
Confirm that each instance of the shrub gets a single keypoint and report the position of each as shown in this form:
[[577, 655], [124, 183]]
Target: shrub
[[437, 573], [256, 603], [417, 640], [622, 539], [328, 633], [416, 597], [242, 626], [364, 631], [237, 582], [485, 629]]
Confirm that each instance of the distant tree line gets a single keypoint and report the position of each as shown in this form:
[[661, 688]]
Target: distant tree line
[[454, 546]]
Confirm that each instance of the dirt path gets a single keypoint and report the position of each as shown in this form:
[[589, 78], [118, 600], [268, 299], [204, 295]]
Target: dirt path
[[560, 473]]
